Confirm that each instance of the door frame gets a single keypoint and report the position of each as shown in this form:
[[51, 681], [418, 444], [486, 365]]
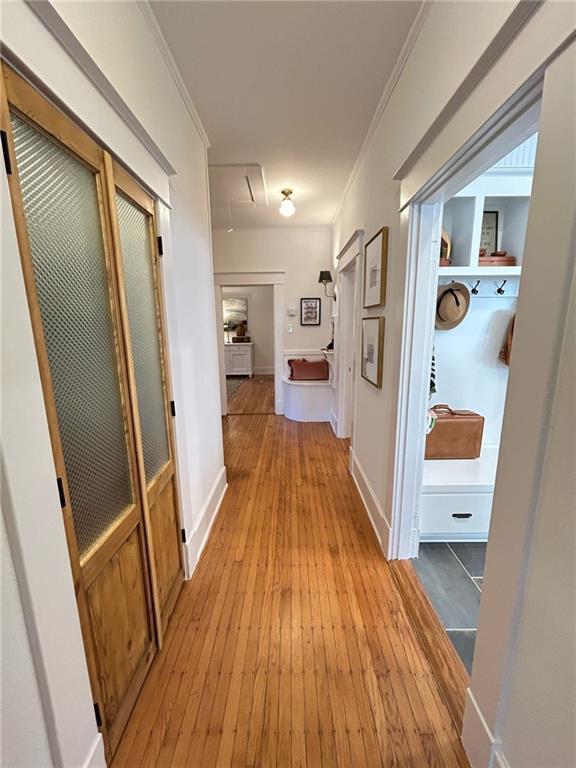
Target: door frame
[[276, 279], [515, 122], [349, 284]]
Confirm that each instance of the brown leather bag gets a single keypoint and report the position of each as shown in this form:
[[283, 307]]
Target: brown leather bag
[[308, 370], [457, 434]]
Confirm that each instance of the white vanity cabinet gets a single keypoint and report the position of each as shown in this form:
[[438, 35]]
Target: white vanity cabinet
[[239, 359]]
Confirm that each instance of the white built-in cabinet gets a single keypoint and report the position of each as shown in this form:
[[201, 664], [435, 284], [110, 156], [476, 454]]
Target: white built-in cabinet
[[457, 494], [239, 359], [498, 190]]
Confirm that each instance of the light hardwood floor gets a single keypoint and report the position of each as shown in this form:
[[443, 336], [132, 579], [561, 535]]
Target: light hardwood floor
[[255, 395], [291, 645]]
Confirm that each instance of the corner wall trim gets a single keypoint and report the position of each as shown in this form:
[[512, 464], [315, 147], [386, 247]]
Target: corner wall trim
[[197, 540], [477, 738], [58, 28], [96, 757], [371, 504]]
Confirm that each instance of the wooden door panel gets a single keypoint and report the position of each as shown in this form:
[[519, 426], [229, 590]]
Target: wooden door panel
[[120, 625], [164, 524]]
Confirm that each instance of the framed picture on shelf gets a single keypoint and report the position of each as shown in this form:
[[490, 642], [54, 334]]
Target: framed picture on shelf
[[489, 236], [372, 349], [310, 311], [375, 268]]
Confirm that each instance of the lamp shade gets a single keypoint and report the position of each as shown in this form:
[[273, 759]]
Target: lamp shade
[[325, 276]]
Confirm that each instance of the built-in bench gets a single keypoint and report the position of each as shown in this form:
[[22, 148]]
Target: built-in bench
[[306, 400]]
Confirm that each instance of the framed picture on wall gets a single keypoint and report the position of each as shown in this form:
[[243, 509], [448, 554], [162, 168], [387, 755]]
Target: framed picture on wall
[[372, 349], [489, 236], [375, 268], [310, 311]]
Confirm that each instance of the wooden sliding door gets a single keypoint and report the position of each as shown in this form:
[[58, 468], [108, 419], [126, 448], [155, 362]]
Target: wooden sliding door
[[139, 279], [88, 249]]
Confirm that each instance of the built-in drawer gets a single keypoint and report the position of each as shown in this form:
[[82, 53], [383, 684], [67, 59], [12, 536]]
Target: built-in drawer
[[446, 516]]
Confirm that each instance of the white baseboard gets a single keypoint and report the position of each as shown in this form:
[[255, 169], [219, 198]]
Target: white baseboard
[[279, 407], [375, 513], [477, 739], [195, 543], [265, 370], [333, 422], [96, 757], [500, 760], [450, 536]]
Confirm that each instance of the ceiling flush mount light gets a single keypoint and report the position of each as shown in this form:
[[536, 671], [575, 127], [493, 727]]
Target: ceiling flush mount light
[[287, 207]]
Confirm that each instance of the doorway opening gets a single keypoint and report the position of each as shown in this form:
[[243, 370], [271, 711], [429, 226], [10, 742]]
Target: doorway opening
[[248, 327], [249, 311], [471, 311]]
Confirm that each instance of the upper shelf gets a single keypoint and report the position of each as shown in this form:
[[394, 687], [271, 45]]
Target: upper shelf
[[476, 271]]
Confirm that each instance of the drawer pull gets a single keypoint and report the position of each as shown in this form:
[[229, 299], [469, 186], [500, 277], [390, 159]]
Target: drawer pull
[[462, 515]]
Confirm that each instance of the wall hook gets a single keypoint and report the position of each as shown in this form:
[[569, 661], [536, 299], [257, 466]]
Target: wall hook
[[500, 289], [475, 289]]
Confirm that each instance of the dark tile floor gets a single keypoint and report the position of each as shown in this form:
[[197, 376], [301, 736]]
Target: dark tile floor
[[452, 575]]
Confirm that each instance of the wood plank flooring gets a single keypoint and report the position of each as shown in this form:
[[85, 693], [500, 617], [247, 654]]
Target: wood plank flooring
[[291, 645], [254, 396]]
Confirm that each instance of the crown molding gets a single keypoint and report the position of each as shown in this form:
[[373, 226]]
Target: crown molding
[[55, 24], [164, 49], [403, 57]]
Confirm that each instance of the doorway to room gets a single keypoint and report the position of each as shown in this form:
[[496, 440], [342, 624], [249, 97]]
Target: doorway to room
[[248, 327], [475, 300]]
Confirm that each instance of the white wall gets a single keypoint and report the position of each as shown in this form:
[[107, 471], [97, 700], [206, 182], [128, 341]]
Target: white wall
[[117, 37], [302, 252], [19, 747], [260, 322], [469, 373]]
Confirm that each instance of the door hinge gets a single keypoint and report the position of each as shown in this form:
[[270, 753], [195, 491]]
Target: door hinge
[[61, 492], [97, 714], [172, 407], [183, 534], [160, 246], [6, 152]]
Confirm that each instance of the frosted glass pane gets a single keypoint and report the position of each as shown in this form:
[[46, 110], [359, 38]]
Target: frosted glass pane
[[62, 215], [143, 320]]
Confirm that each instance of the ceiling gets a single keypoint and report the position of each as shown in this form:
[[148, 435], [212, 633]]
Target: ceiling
[[289, 86]]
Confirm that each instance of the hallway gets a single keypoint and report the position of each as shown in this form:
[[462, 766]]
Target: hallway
[[253, 396], [290, 645]]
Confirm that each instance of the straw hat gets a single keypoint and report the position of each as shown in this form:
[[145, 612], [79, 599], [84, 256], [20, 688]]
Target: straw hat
[[452, 304]]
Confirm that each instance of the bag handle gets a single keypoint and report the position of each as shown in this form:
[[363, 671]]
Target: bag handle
[[442, 408]]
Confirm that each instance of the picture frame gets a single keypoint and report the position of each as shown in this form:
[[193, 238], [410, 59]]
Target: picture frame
[[235, 312], [372, 362], [375, 269], [310, 311], [489, 232]]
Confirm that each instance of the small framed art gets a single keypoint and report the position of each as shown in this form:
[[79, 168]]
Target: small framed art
[[310, 311], [489, 236], [375, 268], [372, 349]]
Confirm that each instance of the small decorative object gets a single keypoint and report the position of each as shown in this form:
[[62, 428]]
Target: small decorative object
[[445, 249], [241, 329], [375, 269], [496, 259], [372, 349], [489, 236], [452, 305], [310, 310]]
